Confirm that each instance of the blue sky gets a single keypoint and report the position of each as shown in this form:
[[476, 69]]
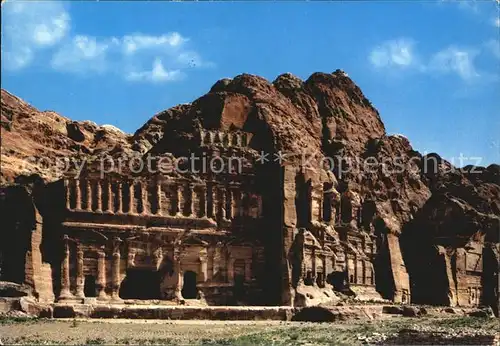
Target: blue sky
[[430, 68]]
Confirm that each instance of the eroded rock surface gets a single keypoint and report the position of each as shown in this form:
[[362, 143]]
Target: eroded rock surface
[[347, 210]]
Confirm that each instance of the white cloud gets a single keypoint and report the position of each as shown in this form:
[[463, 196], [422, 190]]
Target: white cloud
[[133, 43], [496, 22], [394, 53], [455, 60], [81, 54], [29, 27], [126, 56], [157, 74], [47, 34]]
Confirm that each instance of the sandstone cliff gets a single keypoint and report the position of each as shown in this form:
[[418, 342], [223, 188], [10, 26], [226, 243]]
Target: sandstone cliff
[[33, 141], [419, 206]]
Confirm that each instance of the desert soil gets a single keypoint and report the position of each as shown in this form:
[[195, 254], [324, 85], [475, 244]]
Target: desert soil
[[395, 330]]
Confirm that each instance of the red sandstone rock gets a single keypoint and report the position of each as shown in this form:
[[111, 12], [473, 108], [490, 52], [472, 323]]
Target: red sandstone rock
[[430, 235]]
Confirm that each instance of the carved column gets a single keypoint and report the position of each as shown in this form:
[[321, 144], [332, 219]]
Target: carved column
[[78, 195], [235, 201], [178, 272], [212, 207], [202, 137], [222, 204], [119, 197], [203, 265], [110, 207], [190, 199], [131, 207], [217, 257], [314, 269], [65, 277], [181, 201], [67, 190], [115, 269], [80, 277], [131, 258], [248, 270], [158, 198], [101, 274], [89, 195], [99, 196], [144, 197]]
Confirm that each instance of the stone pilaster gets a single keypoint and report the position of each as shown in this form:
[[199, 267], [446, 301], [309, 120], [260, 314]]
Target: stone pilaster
[[65, 276], [212, 206], [181, 201], [78, 195], [89, 194], [216, 259], [119, 197], [144, 198], [158, 193], [115, 269], [99, 196], [178, 272], [222, 208], [131, 206], [110, 208], [203, 265], [67, 191], [80, 277], [131, 258], [101, 275], [190, 196]]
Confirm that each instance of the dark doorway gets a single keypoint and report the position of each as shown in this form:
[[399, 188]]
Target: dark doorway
[[320, 280], [303, 200], [239, 287], [89, 288], [140, 284], [189, 289], [309, 280]]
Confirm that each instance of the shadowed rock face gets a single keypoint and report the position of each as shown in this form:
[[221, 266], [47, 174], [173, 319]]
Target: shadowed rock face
[[32, 140], [435, 230]]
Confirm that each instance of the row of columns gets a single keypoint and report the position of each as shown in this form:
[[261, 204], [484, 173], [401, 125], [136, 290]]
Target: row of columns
[[101, 281], [94, 201], [184, 200], [361, 269], [226, 139]]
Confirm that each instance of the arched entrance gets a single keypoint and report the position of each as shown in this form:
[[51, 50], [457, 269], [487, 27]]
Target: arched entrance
[[189, 289]]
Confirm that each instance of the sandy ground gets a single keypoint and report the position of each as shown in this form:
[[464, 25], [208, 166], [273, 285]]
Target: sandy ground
[[117, 331]]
